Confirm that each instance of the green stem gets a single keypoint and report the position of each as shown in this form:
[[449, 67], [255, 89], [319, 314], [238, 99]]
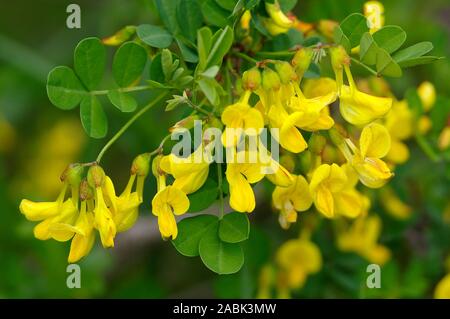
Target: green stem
[[276, 54], [197, 108], [365, 66], [245, 57], [124, 90], [427, 148], [128, 124], [219, 178]]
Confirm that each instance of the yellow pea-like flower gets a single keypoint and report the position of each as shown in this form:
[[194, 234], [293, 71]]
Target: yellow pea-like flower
[[298, 258], [104, 221], [239, 177], [442, 290], [362, 237], [190, 173], [374, 144], [169, 201], [84, 237], [326, 182], [394, 205], [350, 202], [427, 94], [240, 118], [37, 211], [360, 108], [292, 199]]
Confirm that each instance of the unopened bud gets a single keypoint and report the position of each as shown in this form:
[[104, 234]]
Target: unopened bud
[[286, 72], [337, 135], [72, 174], [251, 79], [141, 165], [427, 94], [86, 192], [317, 143], [156, 170], [96, 176], [288, 162], [302, 60], [270, 80]]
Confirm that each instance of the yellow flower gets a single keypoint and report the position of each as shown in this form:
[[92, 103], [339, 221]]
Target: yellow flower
[[84, 237], [374, 144], [424, 124], [239, 177], [167, 202], [399, 123], [374, 12], [327, 181], [350, 202], [290, 138], [104, 222], [427, 94], [298, 258], [359, 108], [190, 173], [240, 118], [245, 20], [362, 237], [394, 205], [292, 199], [442, 290]]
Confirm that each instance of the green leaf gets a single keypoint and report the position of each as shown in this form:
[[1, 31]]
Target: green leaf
[[353, 27], [208, 87], [189, 16], [191, 231], [204, 197], [340, 38], [386, 65], [218, 256], [155, 36], [211, 72], [368, 49], [90, 61], [413, 51], [64, 89], [419, 61], [227, 4], [221, 44], [188, 54], [214, 14], [93, 117], [123, 101], [167, 10], [390, 38], [234, 228], [167, 63], [129, 63], [287, 5], [156, 71], [204, 42]]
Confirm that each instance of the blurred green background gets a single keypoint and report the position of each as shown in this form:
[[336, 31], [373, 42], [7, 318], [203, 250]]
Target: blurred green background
[[38, 141]]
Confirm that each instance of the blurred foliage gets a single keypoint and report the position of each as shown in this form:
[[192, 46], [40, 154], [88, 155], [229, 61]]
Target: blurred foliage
[[38, 140]]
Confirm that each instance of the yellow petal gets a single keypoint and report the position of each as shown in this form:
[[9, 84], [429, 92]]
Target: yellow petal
[[359, 108], [319, 87], [375, 141], [242, 198], [36, 211], [372, 172], [442, 290], [172, 199], [398, 153], [167, 224], [190, 183], [104, 221], [324, 202], [350, 203], [80, 246], [301, 197], [127, 211]]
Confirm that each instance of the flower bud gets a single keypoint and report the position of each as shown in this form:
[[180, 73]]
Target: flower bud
[[186, 123], [337, 135], [302, 60], [96, 176], [317, 143], [251, 79], [86, 192], [72, 174], [141, 165], [339, 57], [288, 162], [120, 36], [427, 94], [286, 72], [270, 80], [156, 170], [444, 139]]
